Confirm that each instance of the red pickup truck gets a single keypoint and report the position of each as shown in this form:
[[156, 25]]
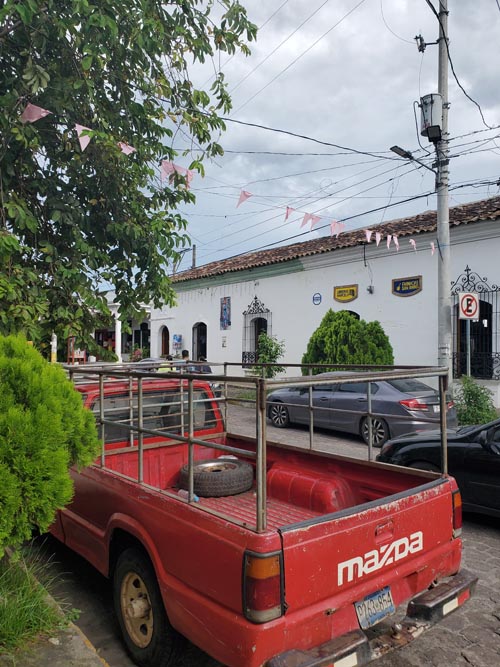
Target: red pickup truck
[[259, 553]]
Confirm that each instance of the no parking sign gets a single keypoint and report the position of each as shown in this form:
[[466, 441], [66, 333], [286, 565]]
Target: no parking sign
[[468, 305]]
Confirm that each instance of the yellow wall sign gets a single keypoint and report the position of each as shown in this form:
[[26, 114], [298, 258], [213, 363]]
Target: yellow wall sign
[[345, 293], [407, 286]]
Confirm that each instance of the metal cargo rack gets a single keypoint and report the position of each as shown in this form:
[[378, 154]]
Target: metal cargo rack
[[134, 376]]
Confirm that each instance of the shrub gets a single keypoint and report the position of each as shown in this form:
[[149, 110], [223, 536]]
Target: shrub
[[342, 339], [44, 429], [269, 350], [474, 403]]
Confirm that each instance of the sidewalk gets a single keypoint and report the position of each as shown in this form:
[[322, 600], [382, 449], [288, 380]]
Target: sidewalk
[[68, 648]]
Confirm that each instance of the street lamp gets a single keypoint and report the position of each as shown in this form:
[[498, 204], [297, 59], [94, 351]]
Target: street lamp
[[409, 156]]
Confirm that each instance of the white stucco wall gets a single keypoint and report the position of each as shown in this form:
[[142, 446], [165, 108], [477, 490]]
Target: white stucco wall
[[410, 322]]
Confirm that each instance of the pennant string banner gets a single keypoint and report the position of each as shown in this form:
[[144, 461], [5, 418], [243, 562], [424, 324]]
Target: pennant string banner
[[244, 195], [84, 140], [306, 219], [314, 220], [32, 113]]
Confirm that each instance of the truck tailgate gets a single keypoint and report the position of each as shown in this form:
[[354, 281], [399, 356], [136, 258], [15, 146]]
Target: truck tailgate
[[403, 542]]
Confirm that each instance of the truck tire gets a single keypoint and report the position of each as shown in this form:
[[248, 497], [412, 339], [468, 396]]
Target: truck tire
[[146, 630], [218, 477]]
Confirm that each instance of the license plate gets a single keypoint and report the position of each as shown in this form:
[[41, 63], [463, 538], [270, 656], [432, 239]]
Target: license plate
[[375, 607], [437, 408]]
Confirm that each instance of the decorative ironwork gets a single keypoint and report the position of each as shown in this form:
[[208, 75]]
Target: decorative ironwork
[[483, 366], [470, 281], [256, 308], [257, 319], [248, 358], [484, 331]]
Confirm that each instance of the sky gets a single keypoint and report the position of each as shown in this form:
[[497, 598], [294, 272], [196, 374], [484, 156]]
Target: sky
[[348, 73]]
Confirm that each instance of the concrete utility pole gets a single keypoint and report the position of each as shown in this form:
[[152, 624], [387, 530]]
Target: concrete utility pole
[[443, 214]]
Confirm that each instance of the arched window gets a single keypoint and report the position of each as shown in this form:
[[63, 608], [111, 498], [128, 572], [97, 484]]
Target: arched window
[[165, 341], [258, 319], [199, 341]]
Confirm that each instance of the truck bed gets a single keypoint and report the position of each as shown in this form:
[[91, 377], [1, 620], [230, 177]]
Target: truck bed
[[300, 485]]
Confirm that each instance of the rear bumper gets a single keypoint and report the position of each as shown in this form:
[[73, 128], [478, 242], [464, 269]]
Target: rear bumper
[[356, 649]]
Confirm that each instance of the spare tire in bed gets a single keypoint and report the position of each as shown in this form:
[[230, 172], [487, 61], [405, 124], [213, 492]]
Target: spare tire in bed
[[214, 478]]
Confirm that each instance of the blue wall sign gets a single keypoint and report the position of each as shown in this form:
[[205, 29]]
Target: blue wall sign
[[407, 286], [317, 299]]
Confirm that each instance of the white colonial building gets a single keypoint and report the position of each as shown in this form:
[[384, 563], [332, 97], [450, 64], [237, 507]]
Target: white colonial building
[[286, 291]]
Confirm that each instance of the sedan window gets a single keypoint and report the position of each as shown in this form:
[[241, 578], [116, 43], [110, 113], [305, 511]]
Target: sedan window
[[409, 385], [358, 387]]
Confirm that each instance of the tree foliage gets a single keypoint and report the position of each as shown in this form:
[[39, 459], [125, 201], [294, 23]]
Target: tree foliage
[[72, 221], [343, 339], [473, 402], [269, 351], [44, 429]]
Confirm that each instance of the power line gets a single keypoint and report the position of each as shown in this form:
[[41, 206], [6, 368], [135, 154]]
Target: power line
[[300, 56], [390, 29], [453, 67], [307, 138], [278, 47]]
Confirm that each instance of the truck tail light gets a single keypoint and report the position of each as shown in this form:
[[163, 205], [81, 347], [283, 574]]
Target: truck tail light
[[263, 598], [457, 513]]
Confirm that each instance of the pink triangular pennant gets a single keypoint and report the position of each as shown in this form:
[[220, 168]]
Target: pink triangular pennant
[[244, 195], [32, 113], [314, 220], [306, 219], [288, 213], [125, 148], [333, 227], [340, 228], [389, 239], [85, 139], [378, 237], [168, 168], [413, 244], [396, 242], [433, 248], [368, 234]]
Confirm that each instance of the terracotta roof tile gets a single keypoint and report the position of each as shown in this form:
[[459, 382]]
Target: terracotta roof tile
[[485, 209]]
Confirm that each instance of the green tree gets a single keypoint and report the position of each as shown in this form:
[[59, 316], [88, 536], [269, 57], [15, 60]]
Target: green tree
[[343, 339], [474, 403], [72, 221], [44, 429], [269, 351]]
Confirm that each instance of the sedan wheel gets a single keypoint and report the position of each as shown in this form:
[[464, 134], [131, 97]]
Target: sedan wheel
[[380, 431], [278, 414]]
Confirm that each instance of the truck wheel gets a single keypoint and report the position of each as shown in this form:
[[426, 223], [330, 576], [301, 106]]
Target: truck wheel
[[380, 431], [146, 630], [278, 414], [218, 477]]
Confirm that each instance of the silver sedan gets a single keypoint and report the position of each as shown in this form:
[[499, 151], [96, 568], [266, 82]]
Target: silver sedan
[[398, 407]]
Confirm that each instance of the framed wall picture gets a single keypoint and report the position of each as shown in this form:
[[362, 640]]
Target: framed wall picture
[[225, 313]]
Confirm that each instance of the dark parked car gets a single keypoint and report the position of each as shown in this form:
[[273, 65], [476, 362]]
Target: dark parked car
[[400, 406], [473, 459]]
